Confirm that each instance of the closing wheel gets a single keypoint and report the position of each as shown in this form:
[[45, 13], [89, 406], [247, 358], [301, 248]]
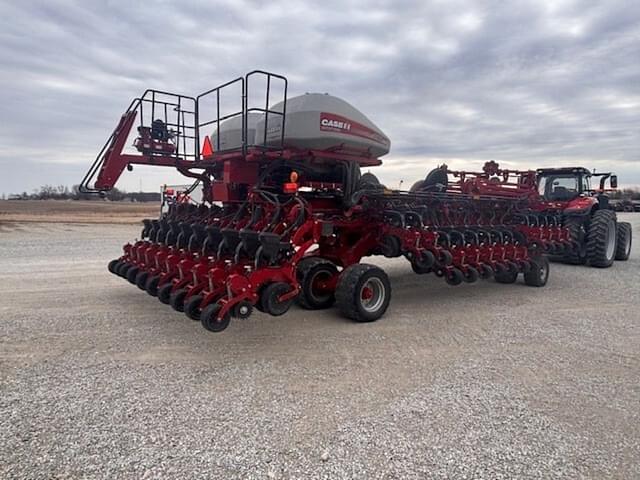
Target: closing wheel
[[123, 269], [209, 320], [314, 274], [152, 285], [164, 293], [422, 263], [141, 280], [363, 292], [445, 258], [538, 274], [192, 307], [506, 276], [131, 274], [269, 299], [453, 276], [176, 299], [390, 246], [112, 265], [601, 239], [623, 246], [471, 275], [486, 271]]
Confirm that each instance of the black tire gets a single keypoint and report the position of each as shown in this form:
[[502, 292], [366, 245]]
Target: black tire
[[506, 276], [131, 274], [623, 243], [471, 275], [423, 262], [112, 265], [601, 239], [417, 268], [538, 274], [176, 299], [391, 246], [164, 293], [453, 276], [310, 271], [141, 280], [209, 321], [351, 287], [577, 253], [152, 285], [123, 269], [192, 307], [269, 299]]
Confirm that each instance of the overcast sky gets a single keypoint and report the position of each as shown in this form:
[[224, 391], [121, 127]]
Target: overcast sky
[[524, 83]]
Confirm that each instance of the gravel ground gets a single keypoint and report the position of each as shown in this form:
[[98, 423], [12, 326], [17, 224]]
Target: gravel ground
[[99, 380]]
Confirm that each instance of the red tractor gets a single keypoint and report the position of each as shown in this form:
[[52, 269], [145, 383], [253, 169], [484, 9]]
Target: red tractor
[[598, 238]]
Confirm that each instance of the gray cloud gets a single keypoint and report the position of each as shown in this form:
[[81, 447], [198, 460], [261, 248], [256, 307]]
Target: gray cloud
[[525, 83]]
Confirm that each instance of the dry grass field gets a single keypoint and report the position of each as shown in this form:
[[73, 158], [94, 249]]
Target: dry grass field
[[72, 211]]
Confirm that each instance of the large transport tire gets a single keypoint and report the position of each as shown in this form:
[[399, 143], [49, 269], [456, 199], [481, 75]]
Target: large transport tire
[[310, 272], [601, 239], [577, 254], [623, 245], [538, 274], [363, 292]]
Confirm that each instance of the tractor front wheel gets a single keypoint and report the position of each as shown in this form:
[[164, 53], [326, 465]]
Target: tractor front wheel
[[363, 292]]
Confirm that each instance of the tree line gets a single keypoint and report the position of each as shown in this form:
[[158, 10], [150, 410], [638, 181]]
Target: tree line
[[62, 192]]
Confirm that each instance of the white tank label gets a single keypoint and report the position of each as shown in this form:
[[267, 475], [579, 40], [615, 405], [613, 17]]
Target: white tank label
[[330, 122]]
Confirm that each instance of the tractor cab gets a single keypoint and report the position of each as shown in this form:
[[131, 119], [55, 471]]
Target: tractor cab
[[566, 184]]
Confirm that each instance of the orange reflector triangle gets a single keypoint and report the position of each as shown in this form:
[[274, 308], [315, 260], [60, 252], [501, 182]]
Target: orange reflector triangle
[[207, 149]]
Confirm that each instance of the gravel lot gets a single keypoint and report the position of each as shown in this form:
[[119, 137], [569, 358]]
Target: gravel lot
[[479, 381]]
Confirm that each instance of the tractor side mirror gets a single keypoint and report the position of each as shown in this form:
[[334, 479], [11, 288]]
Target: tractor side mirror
[[614, 181]]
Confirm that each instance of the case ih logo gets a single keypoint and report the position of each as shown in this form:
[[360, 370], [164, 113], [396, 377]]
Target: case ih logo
[[326, 122], [330, 122]]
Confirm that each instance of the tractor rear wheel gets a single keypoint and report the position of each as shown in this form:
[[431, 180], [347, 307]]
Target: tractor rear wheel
[[623, 245], [313, 274], [601, 239], [538, 274], [363, 292]]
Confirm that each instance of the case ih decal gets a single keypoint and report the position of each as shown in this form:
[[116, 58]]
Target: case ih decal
[[330, 122]]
